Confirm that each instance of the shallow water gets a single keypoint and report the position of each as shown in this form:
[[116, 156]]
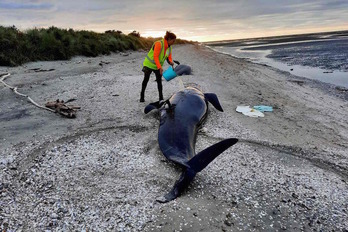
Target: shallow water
[[323, 60]]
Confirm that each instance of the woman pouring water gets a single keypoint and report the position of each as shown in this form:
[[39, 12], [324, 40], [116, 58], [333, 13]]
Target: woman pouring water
[[160, 51]]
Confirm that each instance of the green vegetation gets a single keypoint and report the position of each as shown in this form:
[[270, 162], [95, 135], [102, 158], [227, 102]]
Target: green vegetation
[[17, 47]]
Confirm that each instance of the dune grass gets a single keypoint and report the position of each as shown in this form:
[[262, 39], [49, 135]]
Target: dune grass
[[17, 47]]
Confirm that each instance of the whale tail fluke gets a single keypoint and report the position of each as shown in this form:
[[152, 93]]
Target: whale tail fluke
[[179, 186], [203, 158], [197, 164]]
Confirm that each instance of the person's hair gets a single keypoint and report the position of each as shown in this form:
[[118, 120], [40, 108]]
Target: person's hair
[[169, 35]]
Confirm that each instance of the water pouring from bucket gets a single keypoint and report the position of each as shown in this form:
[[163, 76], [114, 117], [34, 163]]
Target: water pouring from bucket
[[170, 74]]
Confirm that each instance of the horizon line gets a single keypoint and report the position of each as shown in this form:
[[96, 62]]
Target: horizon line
[[208, 41]]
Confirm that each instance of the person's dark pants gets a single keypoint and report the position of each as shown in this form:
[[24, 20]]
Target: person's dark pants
[[147, 71]]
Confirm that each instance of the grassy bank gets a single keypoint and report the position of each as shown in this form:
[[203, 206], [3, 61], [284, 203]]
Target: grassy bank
[[17, 47]]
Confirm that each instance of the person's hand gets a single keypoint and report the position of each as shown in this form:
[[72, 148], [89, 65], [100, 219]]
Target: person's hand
[[161, 71], [172, 64]]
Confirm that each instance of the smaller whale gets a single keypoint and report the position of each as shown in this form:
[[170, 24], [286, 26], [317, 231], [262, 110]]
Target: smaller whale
[[180, 118]]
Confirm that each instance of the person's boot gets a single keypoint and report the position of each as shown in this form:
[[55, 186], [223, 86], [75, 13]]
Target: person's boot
[[142, 98], [161, 97]]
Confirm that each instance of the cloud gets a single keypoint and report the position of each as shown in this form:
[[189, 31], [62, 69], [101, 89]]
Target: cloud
[[189, 19], [26, 6]]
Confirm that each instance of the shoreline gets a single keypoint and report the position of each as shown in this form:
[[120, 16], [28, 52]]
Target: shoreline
[[104, 170], [330, 88]]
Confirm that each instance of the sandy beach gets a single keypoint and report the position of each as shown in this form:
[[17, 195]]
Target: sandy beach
[[103, 170]]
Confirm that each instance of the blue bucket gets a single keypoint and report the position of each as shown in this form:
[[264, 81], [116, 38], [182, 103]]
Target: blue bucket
[[169, 74]]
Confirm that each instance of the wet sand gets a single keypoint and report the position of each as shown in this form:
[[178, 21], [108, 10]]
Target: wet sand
[[103, 170]]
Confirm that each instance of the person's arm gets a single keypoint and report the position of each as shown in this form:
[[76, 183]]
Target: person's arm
[[170, 59], [156, 54]]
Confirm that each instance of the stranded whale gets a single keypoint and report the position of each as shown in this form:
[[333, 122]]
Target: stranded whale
[[180, 118]]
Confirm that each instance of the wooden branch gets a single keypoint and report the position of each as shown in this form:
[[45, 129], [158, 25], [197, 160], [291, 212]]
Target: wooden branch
[[59, 106], [14, 89], [4, 77]]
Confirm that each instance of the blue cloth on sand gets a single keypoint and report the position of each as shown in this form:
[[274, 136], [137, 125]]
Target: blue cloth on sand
[[263, 108]]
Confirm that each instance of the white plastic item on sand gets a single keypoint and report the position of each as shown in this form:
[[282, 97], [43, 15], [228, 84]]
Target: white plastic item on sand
[[246, 110], [254, 113], [242, 109]]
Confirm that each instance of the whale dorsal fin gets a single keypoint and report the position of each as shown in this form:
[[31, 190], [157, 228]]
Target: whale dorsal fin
[[213, 99]]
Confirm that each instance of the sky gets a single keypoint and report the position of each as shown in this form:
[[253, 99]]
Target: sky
[[197, 20]]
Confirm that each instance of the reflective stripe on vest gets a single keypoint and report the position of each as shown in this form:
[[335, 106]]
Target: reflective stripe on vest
[[162, 48]]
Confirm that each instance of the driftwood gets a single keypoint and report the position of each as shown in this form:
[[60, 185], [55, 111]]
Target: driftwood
[[57, 106], [299, 82], [41, 70]]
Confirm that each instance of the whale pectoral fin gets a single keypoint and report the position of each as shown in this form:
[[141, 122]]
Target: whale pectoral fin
[[179, 186], [203, 158], [149, 108], [213, 99], [154, 105]]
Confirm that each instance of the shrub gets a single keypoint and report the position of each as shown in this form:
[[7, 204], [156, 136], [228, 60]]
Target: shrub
[[135, 34], [53, 43]]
